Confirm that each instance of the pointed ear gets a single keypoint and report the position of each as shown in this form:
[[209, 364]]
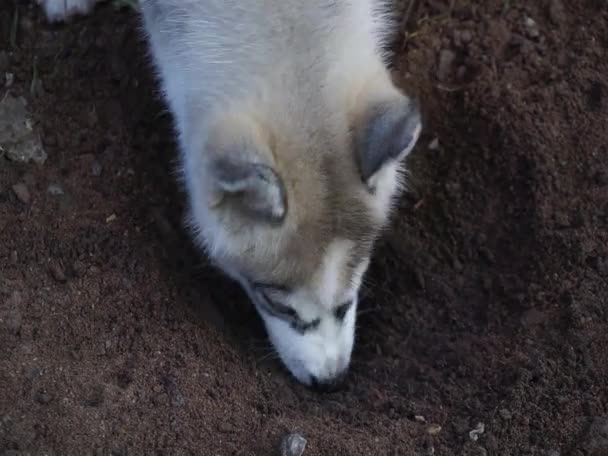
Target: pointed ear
[[254, 189], [387, 133]]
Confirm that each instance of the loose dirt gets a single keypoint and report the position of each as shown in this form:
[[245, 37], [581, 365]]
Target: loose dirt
[[484, 323]]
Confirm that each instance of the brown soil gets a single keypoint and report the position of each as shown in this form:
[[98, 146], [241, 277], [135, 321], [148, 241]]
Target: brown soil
[[487, 300]]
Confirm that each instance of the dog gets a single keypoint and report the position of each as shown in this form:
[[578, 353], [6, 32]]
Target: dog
[[292, 139]]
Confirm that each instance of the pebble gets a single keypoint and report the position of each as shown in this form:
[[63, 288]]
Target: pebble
[[434, 429], [57, 272], [434, 144], [79, 268], [597, 437], [13, 321], [531, 27], [55, 190], [505, 414], [42, 397], [22, 193], [96, 169], [17, 134], [293, 445], [475, 433], [226, 428], [444, 67], [556, 12]]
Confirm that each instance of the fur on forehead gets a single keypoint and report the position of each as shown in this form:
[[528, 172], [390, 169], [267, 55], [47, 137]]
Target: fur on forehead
[[327, 202]]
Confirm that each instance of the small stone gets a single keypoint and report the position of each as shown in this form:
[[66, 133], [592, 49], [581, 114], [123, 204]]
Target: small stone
[[226, 428], [55, 190], [13, 321], [420, 419], [433, 429], [475, 433], [466, 36], [444, 66], [505, 414], [22, 193], [531, 27], [57, 272], [18, 138], [293, 445], [434, 144], [597, 437], [96, 169], [96, 397], [42, 397], [556, 12], [79, 268]]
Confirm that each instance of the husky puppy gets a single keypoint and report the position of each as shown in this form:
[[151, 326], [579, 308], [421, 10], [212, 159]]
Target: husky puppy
[[292, 137]]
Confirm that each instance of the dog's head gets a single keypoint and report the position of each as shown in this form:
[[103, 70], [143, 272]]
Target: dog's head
[[292, 214]]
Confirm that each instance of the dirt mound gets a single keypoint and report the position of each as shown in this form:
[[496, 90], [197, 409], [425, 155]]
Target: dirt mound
[[484, 324]]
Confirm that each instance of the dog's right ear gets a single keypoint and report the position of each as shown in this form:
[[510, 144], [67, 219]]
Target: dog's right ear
[[387, 133], [242, 174]]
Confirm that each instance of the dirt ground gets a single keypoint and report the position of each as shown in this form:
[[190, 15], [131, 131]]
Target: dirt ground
[[484, 326]]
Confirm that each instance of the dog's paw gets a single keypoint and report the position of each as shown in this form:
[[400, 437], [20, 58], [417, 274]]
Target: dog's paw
[[61, 10]]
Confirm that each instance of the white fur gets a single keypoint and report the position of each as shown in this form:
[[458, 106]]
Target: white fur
[[325, 352], [60, 10], [388, 181]]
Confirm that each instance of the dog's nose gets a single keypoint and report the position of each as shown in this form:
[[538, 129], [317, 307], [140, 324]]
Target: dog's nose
[[330, 384]]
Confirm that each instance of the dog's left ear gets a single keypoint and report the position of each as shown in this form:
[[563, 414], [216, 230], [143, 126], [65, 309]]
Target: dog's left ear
[[386, 133]]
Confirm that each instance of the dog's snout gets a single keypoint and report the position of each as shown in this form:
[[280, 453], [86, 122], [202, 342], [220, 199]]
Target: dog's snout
[[330, 384]]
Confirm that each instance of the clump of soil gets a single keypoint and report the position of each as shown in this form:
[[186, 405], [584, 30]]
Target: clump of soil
[[484, 327]]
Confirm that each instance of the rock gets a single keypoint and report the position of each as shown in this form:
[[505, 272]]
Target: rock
[[96, 169], [433, 429], [13, 321], [55, 190], [9, 78], [172, 390], [293, 445], [475, 433], [556, 12], [597, 437], [444, 66], [42, 397], [22, 193], [226, 428], [18, 140], [57, 272], [532, 29], [505, 414], [96, 398], [434, 144]]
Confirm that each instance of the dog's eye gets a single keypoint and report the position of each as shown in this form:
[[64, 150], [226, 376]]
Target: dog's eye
[[303, 327], [269, 298], [341, 311]]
